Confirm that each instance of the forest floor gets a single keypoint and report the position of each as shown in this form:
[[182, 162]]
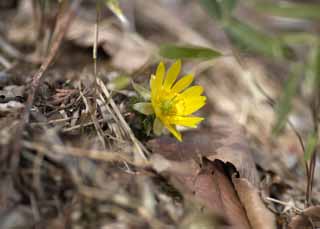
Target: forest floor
[[75, 154]]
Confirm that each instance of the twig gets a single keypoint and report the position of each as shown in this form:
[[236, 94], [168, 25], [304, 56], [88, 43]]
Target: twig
[[96, 39], [75, 127], [284, 204], [9, 49], [99, 155], [94, 120]]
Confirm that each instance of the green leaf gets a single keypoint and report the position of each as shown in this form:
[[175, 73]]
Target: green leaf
[[284, 106], [228, 5], [114, 6], [142, 91], [312, 71], [317, 67], [290, 10], [312, 142], [249, 38], [213, 8], [157, 127], [119, 83], [219, 9], [173, 51], [144, 108]]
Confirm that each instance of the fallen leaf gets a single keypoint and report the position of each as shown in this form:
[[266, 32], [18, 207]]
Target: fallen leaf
[[257, 213], [214, 189], [310, 218], [223, 141], [208, 164], [128, 51]]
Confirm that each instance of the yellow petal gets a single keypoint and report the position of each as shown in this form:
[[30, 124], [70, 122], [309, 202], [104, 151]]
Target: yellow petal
[[159, 77], [153, 87], [174, 131], [192, 91], [191, 121], [193, 104], [183, 83], [160, 70], [172, 74]]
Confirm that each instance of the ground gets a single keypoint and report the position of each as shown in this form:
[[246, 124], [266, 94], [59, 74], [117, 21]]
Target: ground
[[75, 154]]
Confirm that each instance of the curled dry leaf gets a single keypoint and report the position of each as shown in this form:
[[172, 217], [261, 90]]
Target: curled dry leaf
[[309, 218], [257, 213], [207, 163]]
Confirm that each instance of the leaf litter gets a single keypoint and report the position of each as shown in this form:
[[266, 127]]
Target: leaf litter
[[84, 160]]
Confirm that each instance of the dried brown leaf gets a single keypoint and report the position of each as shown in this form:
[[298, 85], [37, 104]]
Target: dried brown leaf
[[207, 164], [224, 141], [214, 189], [128, 51], [257, 213], [310, 218]]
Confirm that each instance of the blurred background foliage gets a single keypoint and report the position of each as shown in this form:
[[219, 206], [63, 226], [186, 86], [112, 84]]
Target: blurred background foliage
[[290, 43]]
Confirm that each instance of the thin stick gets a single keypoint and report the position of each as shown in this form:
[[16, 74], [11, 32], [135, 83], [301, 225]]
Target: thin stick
[[283, 203], [5, 62], [96, 38], [99, 155], [94, 120]]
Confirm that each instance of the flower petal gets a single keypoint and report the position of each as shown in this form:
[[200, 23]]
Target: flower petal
[[174, 131], [172, 74], [193, 104], [160, 73], [192, 91], [153, 86], [183, 83], [191, 121], [157, 79], [160, 69]]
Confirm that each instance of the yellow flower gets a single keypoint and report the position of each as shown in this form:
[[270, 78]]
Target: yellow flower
[[173, 103]]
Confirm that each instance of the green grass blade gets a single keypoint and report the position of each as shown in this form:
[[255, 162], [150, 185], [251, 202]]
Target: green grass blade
[[311, 145], [218, 9], [248, 38], [291, 10], [284, 106]]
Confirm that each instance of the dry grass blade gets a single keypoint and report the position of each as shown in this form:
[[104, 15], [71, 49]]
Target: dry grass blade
[[94, 120], [121, 122], [105, 156]]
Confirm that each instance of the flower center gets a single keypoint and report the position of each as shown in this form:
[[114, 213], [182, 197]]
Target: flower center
[[172, 106], [167, 107]]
